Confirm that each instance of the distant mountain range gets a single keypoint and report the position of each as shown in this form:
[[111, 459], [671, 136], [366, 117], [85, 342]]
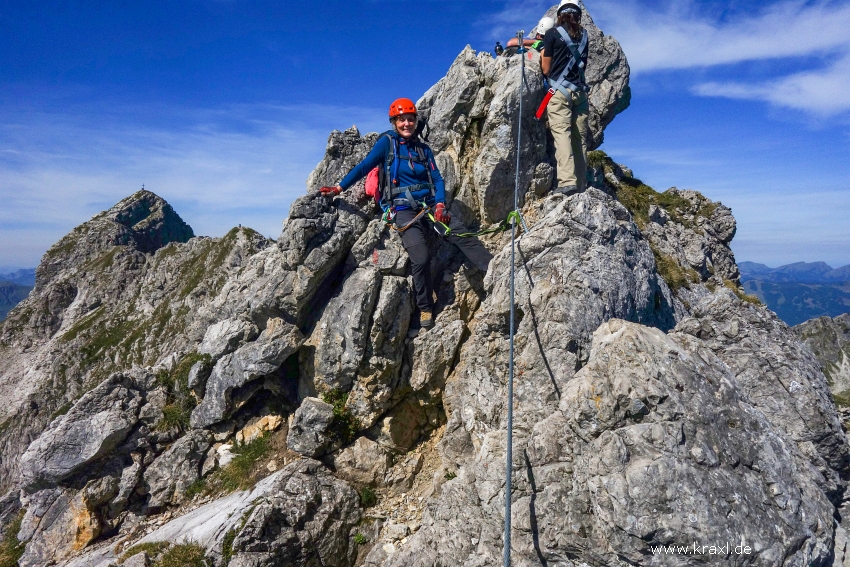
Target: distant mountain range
[[10, 295], [799, 272], [800, 291], [14, 288], [20, 277]]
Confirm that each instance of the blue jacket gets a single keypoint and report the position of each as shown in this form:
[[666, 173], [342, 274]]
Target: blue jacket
[[378, 156]]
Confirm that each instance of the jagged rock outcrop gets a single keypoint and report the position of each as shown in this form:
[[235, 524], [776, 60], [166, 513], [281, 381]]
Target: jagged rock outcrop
[[655, 403], [93, 428], [650, 444], [829, 339], [170, 474]]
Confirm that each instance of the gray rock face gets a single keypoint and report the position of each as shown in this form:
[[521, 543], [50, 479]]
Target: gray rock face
[[168, 477], [829, 340], [91, 429], [379, 377], [60, 521], [225, 336], [307, 521], [309, 432], [780, 376], [634, 454], [238, 370], [334, 351], [281, 281], [653, 404], [363, 463], [143, 221], [105, 307]]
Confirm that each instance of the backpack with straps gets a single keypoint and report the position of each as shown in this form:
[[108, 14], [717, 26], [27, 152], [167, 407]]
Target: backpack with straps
[[382, 183]]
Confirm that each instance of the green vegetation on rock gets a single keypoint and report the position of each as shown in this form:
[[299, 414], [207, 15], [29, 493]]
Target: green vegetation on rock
[[238, 474], [344, 426], [10, 548], [152, 549], [181, 402], [368, 497], [676, 275], [637, 197]]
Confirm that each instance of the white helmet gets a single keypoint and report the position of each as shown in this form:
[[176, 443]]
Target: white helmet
[[567, 4], [546, 23]]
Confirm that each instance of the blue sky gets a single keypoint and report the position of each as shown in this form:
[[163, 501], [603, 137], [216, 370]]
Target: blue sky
[[224, 107]]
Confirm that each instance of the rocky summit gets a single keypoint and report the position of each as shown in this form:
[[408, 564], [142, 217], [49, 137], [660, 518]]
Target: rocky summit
[[172, 399]]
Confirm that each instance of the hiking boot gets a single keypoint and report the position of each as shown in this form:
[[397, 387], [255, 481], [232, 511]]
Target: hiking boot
[[426, 319], [568, 190]]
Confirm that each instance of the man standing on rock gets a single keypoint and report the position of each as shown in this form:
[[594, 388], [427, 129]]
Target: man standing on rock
[[563, 62]]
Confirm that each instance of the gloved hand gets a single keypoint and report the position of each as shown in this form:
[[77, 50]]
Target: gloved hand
[[441, 214], [330, 191]]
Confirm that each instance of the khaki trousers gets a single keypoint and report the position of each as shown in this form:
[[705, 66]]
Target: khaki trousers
[[568, 124]]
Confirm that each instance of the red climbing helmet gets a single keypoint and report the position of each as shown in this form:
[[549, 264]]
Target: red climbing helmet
[[402, 106]]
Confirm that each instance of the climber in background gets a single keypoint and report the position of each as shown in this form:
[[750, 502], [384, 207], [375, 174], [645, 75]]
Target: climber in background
[[412, 192], [536, 43], [563, 62]]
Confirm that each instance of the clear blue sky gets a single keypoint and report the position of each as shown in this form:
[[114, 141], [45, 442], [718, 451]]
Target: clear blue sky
[[223, 107]]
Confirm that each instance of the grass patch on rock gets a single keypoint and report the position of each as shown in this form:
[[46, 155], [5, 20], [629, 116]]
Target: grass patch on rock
[[637, 197], [344, 426], [368, 497], [152, 549], [239, 474], [754, 300], [180, 401], [185, 555], [676, 275], [10, 548]]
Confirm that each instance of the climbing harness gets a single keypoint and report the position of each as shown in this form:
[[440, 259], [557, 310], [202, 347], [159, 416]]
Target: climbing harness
[[562, 84], [445, 230]]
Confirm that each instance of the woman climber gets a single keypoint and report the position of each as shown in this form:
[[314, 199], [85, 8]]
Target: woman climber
[[413, 195]]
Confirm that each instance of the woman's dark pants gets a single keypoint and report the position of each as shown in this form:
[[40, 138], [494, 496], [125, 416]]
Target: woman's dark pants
[[415, 241]]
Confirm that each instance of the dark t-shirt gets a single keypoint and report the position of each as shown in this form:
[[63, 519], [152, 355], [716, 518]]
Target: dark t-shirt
[[555, 47]]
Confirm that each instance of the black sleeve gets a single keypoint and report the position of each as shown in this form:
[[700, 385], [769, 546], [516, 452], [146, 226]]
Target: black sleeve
[[549, 42]]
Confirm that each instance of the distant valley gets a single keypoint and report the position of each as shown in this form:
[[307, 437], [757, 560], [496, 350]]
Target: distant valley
[[800, 291]]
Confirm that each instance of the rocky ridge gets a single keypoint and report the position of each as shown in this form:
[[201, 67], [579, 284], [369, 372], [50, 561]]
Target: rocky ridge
[[829, 339], [262, 399]]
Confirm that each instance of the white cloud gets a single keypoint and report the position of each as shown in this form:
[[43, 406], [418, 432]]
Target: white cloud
[[682, 37], [824, 92], [218, 168]]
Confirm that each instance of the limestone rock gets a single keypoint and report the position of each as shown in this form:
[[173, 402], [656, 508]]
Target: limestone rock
[[334, 351], [379, 378], [168, 477], [256, 427], [829, 340], [310, 429], [363, 463], [96, 424], [779, 374], [226, 336], [250, 362], [434, 355], [308, 520], [58, 522], [280, 281], [632, 455], [381, 248]]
